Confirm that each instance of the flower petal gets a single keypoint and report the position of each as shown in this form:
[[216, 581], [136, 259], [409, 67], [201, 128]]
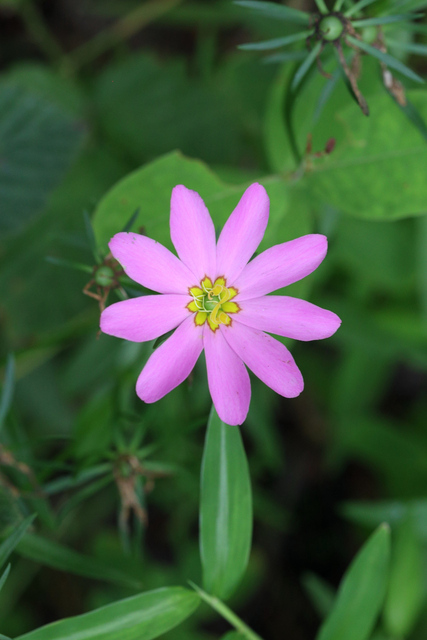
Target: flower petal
[[268, 358], [193, 232], [281, 265], [144, 318], [228, 378], [171, 363], [242, 233], [149, 263], [290, 317]]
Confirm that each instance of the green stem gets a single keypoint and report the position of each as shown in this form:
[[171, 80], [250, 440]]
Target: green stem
[[226, 613], [120, 31], [36, 26]]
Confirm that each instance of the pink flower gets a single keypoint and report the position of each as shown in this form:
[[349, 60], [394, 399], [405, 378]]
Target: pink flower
[[217, 300]]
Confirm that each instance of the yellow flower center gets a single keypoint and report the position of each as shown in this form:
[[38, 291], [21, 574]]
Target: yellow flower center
[[212, 302]]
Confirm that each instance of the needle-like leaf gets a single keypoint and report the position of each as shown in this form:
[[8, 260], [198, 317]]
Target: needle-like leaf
[[302, 70], [278, 11], [276, 43]]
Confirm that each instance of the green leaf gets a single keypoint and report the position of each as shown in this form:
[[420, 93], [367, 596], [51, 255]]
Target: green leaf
[[376, 170], [278, 11], [380, 20], [276, 43], [225, 508], [4, 575], [388, 60], [52, 554], [412, 47], [321, 594], [356, 7], [231, 635], [11, 542], [361, 592], [142, 617], [406, 588], [38, 141], [152, 186], [371, 513], [303, 69], [7, 391]]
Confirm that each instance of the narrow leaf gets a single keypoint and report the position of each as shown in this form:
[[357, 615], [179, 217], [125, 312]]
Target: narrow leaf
[[380, 20], [11, 542], [7, 391], [129, 224], [406, 589], [320, 592], [52, 554], [276, 43], [357, 7], [278, 11], [4, 577], [361, 592], [302, 70], [286, 56], [91, 236], [225, 509], [412, 47], [142, 617], [386, 59]]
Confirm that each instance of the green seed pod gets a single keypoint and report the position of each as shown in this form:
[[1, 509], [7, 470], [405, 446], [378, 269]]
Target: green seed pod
[[331, 28], [104, 276]]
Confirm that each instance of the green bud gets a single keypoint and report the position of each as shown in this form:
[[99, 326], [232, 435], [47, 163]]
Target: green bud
[[331, 28], [104, 276]]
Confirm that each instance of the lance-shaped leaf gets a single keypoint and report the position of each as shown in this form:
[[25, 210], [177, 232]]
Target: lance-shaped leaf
[[142, 617], [278, 11], [380, 20], [302, 70], [386, 59], [355, 8], [361, 592], [276, 43], [225, 508]]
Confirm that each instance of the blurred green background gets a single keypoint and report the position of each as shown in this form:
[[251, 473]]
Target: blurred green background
[[91, 90]]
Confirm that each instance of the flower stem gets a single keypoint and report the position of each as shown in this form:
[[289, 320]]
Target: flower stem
[[120, 31], [226, 613]]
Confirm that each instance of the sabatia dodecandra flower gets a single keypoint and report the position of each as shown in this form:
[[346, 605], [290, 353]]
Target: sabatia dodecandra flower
[[217, 300]]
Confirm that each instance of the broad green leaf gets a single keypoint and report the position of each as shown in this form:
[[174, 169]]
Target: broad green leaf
[[376, 170], [4, 575], [11, 542], [38, 141], [57, 556], [7, 391], [361, 592], [150, 187], [142, 617], [225, 508], [278, 11], [406, 590]]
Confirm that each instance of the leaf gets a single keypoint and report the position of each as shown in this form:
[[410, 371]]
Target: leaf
[[278, 11], [3, 577], [11, 542], [38, 142], [393, 511], [406, 587], [276, 43], [320, 592], [7, 391], [377, 168], [388, 60], [231, 635], [361, 592], [303, 69], [380, 20], [357, 7], [225, 508], [142, 617], [52, 554], [150, 188]]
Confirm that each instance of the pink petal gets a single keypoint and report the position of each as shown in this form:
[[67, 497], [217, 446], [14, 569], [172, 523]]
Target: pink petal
[[242, 233], [144, 318], [193, 232], [268, 358], [150, 263], [281, 265], [228, 378], [171, 363], [288, 317]]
